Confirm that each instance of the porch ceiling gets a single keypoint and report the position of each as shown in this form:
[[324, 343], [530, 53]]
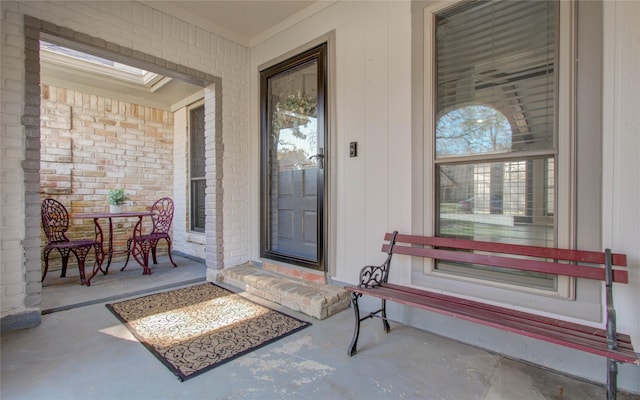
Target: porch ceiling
[[243, 21]]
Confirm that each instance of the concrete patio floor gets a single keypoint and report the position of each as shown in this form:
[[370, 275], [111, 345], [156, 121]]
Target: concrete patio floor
[[81, 351]]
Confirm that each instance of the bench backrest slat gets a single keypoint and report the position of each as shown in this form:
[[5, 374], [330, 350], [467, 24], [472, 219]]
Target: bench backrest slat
[[498, 260]]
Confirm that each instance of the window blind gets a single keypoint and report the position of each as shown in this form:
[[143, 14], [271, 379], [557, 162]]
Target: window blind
[[197, 170], [196, 122], [499, 54]]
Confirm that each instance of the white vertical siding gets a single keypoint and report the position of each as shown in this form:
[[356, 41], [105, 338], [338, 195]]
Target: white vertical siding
[[372, 81], [621, 150]]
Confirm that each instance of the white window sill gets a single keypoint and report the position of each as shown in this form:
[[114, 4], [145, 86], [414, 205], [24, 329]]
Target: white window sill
[[198, 238]]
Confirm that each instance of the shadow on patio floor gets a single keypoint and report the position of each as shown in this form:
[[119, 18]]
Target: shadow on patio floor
[[65, 293]]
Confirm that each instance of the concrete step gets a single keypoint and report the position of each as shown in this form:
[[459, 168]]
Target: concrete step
[[310, 298]]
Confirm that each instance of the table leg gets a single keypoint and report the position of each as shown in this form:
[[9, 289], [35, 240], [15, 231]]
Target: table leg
[[106, 271], [99, 251]]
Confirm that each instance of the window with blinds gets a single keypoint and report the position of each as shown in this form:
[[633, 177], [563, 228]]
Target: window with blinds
[[495, 139], [197, 167], [496, 58]]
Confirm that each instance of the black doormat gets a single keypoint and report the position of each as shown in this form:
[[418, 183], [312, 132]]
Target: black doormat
[[194, 329]]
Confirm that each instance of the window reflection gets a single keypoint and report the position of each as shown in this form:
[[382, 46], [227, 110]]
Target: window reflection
[[473, 129]]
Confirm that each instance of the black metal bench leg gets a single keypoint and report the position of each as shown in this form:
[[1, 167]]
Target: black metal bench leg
[[353, 347], [383, 314], [612, 379]]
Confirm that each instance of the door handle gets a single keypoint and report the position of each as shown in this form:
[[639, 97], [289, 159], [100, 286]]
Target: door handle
[[319, 157]]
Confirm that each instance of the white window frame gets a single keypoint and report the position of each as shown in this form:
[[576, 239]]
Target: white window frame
[[565, 161]]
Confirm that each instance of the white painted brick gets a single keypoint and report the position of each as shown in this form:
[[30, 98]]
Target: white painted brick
[[136, 26]]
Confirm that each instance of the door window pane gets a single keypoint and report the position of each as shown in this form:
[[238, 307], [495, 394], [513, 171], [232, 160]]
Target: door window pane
[[292, 108]]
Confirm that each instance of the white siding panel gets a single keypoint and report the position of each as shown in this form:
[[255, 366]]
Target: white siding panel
[[621, 146], [350, 171], [372, 61], [376, 149]]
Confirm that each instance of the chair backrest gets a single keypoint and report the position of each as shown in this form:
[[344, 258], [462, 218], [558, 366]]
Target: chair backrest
[[55, 220], [162, 215]]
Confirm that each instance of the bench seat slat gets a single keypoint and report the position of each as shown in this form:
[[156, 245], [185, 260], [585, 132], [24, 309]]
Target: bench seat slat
[[564, 330], [547, 267], [440, 303], [551, 323], [523, 323]]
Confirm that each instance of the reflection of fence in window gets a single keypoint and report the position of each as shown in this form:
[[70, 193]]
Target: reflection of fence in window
[[515, 186], [482, 188], [501, 192], [549, 190]]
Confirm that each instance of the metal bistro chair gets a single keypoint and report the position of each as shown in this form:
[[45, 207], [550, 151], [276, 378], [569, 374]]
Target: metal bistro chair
[[162, 219], [55, 223]]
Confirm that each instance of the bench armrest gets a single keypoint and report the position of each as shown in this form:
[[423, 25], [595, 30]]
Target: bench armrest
[[372, 276]]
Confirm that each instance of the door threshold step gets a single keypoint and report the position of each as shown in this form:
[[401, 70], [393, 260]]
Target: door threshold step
[[310, 298]]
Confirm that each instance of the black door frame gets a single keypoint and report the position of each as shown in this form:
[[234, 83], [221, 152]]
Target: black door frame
[[319, 55]]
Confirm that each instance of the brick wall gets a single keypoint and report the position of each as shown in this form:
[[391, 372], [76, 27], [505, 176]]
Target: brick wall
[[90, 144], [136, 31]]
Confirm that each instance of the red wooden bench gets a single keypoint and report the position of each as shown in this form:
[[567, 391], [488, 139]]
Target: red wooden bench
[[602, 266]]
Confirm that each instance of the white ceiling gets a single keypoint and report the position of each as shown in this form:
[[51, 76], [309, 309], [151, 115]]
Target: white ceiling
[[246, 22], [243, 21]]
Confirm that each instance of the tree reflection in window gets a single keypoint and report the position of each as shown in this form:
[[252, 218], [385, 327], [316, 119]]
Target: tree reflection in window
[[294, 127], [472, 129]]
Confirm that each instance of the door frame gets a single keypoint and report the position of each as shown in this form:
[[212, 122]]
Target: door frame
[[319, 53]]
